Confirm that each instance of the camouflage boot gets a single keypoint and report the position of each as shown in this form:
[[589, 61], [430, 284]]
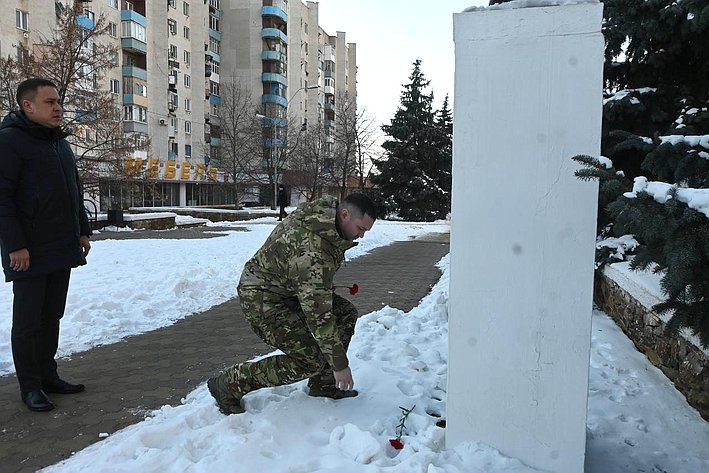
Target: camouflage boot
[[323, 385], [227, 400], [332, 392]]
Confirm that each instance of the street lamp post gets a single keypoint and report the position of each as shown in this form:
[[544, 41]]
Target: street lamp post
[[274, 151]]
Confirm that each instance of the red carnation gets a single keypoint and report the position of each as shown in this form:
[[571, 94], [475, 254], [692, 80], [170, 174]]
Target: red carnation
[[354, 289], [396, 443]]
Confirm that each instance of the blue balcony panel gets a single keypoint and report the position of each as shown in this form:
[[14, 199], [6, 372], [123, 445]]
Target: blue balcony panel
[[274, 11], [85, 22], [137, 72], [274, 77], [215, 56], [279, 122], [273, 56], [329, 74], [274, 33], [216, 13], [215, 34], [329, 123], [215, 99], [273, 143], [130, 15], [128, 99], [132, 44], [269, 98], [329, 106], [215, 141]]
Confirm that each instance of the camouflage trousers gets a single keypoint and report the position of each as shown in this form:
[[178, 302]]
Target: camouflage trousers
[[281, 324]]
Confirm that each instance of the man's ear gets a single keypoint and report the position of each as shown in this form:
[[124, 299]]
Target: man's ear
[[344, 213]]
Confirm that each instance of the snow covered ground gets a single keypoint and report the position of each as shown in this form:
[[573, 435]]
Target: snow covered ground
[[637, 421]]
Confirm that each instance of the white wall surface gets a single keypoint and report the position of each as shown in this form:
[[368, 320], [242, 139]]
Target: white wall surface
[[528, 92]]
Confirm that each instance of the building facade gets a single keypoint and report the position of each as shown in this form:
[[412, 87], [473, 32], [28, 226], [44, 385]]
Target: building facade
[[173, 57]]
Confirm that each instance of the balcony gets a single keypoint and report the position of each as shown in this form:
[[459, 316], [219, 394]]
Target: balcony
[[133, 71], [134, 45], [215, 34], [328, 73], [274, 11], [132, 99], [329, 106], [273, 56], [274, 77], [215, 141], [269, 98], [328, 90], [135, 127], [215, 99], [329, 123], [85, 22], [274, 33], [132, 15]]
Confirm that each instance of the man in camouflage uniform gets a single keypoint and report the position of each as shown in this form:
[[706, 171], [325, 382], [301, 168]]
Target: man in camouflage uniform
[[286, 292]]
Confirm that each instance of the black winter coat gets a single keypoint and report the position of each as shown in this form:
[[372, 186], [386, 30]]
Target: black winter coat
[[41, 201]]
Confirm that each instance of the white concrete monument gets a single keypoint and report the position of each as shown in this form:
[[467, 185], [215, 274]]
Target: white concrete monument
[[528, 97]]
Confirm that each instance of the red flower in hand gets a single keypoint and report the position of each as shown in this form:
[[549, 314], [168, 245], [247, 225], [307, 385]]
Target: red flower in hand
[[354, 289], [396, 443]]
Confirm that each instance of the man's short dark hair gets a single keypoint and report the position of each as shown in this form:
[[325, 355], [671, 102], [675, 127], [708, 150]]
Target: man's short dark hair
[[28, 89], [362, 204]]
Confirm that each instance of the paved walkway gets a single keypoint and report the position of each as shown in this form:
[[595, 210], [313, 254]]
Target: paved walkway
[[126, 380]]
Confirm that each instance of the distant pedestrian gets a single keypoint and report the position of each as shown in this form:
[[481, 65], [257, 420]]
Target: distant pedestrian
[[286, 292], [44, 232], [282, 201]]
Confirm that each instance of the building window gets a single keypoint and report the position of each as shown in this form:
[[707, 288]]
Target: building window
[[188, 105], [115, 86], [186, 32], [113, 3], [171, 3], [131, 29], [186, 56], [186, 8], [188, 80], [188, 151], [89, 14], [213, 87], [172, 26], [113, 29], [188, 127], [213, 23], [214, 4], [173, 52], [215, 67], [214, 45], [134, 113], [22, 20]]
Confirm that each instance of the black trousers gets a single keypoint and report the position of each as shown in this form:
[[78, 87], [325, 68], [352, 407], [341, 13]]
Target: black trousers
[[38, 306]]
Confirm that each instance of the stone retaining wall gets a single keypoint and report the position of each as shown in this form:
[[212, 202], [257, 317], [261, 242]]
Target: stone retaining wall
[[681, 361]]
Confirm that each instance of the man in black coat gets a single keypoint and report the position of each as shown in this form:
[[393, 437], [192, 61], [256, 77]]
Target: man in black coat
[[44, 232], [282, 201]]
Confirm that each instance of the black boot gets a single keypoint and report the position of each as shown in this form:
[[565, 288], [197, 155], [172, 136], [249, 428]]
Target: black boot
[[60, 386], [37, 401]]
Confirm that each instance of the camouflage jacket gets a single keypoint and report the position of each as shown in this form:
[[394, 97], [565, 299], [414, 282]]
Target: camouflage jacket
[[299, 260]]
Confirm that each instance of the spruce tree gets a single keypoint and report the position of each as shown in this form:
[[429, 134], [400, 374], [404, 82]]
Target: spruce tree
[[656, 124], [412, 175]]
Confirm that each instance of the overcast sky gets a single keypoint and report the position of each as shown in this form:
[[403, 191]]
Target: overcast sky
[[390, 35]]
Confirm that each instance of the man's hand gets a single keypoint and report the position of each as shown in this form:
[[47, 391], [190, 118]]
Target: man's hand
[[85, 244], [343, 379], [20, 260]]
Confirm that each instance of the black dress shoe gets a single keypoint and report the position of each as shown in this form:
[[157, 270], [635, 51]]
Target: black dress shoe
[[60, 386], [37, 401]]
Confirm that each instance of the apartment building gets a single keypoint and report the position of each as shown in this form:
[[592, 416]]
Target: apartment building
[[294, 68], [173, 56]]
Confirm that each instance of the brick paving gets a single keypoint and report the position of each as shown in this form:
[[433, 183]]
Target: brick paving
[[126, 380]]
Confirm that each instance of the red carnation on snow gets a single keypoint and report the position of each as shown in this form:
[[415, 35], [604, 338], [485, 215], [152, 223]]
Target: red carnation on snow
[[396, 443]]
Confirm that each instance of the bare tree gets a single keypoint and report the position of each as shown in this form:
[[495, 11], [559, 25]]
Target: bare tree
[[355, 137], [310, 163], [75, 57], [241, 150]]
